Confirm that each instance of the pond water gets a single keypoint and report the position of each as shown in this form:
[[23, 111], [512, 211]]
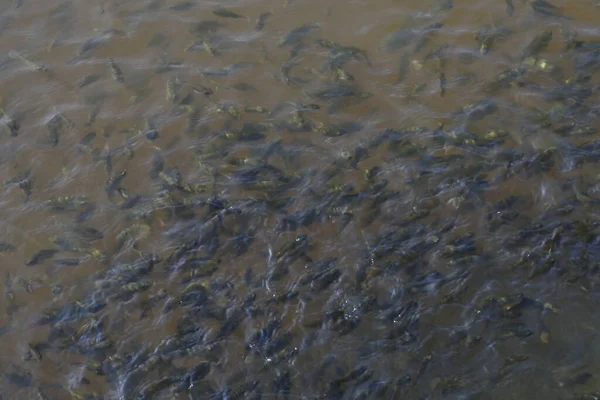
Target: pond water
[[298, 200]]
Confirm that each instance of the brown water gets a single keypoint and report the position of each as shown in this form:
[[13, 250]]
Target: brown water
[[418, 299]]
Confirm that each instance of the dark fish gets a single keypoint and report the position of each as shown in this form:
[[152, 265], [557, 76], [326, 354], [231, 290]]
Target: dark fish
[[510, 8], [23, 379], [444, 5], [91, 45], [488, 35], [71, 262], [406, 36], [239, 66], [544, 9], [197, 373], [243, 87], [54, 127], [225, 13], [114, 182], [399, 39], [403, 68], [478, 111], [262, 19], [443, 83], [41, 256], [183, 6], [348, 127], [87, 80], [215, 72], [157, 39], [116, 71], [425, 37], [515, 329], [87, 233], [504, 80], [5, 21], [538, 44], [336, 90], [206, 27], [337, 104], [297, 34], [6, 247], [91, 118], [206, 91], [230, 69], [579, 379]]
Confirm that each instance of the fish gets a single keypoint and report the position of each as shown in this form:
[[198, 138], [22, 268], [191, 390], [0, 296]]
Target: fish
[[87, 80], [225, 13], [116, 71], [403, 67], [262, 19], [296, 35], [510, 8], [537, 44], [31, 64], [183, 6], [405, 36]]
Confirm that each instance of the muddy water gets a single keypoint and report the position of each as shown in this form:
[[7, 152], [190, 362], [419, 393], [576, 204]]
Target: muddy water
[[438, 199]]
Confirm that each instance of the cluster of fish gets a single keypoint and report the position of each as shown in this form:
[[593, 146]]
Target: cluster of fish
[[278, 276]]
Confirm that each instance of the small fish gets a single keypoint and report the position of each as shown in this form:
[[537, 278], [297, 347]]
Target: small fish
[[538, 44], [239, 66], [87, 80], [116, 71], [403, 68], [208, 47], [510, 8], [225, 13], [33, 65], [257, 109], [215, 72], [243, 87], [33, 353], [132, 235], [91, 45], [70, 262], [21, 378], [157, 39], [114, 182], [91, 116], [406, 36], [41, 256], [297, 34], [443, 83], [183, 6], [262, 19], [67, 203], [206, 91], [5, 21], [173, 87], [12, 124], [54, 127], [205, 27], [444, 5], [579, 379], [544, 9], [6, 247], [40, 394], [87, 234]]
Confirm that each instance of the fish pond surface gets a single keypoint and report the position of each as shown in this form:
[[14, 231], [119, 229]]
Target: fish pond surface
[[299, 200]]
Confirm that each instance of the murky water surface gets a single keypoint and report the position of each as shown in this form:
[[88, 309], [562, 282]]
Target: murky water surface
[[339, 200]]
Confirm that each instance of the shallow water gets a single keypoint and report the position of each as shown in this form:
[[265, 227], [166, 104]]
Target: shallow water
[[431, 170]]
